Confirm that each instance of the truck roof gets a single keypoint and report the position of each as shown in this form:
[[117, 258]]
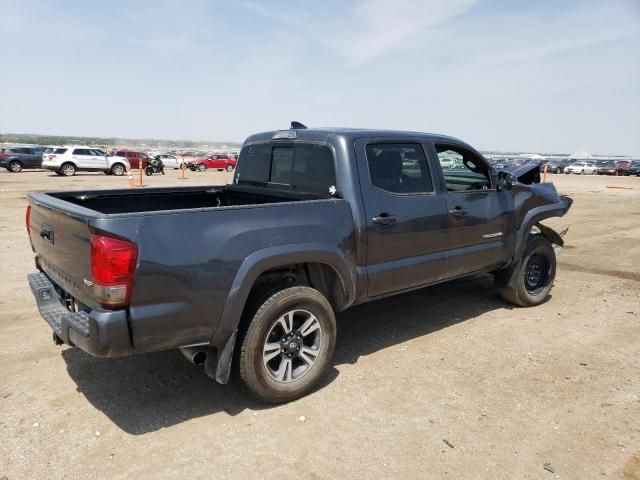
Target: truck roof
[[323, 134]]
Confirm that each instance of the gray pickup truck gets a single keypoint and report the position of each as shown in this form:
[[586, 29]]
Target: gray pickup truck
[[250, 274]]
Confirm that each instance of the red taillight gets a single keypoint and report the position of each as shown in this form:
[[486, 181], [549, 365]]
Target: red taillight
[[113, 265], [28, 219]]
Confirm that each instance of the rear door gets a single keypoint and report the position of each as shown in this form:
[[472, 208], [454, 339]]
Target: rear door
[[406, 217], [83, 158], [478, 216]]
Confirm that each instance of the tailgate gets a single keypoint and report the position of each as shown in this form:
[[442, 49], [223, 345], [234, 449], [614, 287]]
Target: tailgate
[[61, 241]]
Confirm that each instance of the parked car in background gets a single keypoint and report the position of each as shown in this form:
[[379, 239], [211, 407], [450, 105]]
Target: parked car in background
[[581, 168], [169, 161], [501, 163], [634, 168], [608, 167], [622, 166], [68, 160], [17, 158], [557, 165], [219, 161], [136, 159]]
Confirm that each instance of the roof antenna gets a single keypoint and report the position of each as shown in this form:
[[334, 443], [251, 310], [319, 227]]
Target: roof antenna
[[297, 126]]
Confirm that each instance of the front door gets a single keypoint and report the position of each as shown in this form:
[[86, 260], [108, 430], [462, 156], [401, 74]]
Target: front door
[[406, 218], [480, 235]]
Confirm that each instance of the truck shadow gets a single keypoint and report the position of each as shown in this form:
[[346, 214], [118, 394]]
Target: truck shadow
[[145, 393]]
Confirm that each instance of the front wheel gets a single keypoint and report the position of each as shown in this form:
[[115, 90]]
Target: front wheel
[[535, 275], [118, 169], [289, 345], [15, 166], [581, 172], [229, 168]]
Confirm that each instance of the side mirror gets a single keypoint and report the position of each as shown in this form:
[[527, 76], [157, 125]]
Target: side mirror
[[505, 181]]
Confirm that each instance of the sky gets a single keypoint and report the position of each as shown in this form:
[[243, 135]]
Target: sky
[[512, 75]]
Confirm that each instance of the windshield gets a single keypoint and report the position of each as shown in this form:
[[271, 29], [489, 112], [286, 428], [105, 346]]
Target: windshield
[[293, 166]]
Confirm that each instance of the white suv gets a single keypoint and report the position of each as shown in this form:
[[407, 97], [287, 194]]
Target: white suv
[[68, 160]]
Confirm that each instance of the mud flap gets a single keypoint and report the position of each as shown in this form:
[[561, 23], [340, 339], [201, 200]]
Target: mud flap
[[218, 366], [551, 235]]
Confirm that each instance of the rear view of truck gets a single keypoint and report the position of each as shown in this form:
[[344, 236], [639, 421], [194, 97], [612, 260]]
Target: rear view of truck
[[85, 278]]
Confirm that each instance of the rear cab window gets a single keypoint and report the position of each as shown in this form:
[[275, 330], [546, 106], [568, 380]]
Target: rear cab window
[[296, 166]]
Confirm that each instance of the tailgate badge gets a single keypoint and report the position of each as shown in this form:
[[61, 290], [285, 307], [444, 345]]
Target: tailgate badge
[[88, 283]]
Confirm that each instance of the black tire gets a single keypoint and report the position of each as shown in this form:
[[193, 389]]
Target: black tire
[[15, 166], [148, 171], [229, 168], [201, 167], [535, 276], [257, 374], [118, 169], [581, 172], [68, 169]]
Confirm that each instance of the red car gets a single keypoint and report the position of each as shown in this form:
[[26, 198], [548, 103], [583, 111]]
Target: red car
[[134, 157], [220, 161]]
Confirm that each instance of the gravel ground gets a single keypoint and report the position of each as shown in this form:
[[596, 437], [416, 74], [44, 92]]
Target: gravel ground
[[444, 382]]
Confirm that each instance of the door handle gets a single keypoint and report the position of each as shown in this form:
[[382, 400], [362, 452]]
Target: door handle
[[384, 219], [458, 211]]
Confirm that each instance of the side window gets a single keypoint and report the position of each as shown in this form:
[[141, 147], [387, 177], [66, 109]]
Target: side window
[[462, 170], [399, 167], [81, 151]]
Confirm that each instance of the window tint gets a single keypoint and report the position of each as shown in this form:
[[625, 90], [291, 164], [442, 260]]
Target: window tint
[[399, 167], [462, 169], [81, 151], [300, 167], [281, 165], [60, 150], [254, 164], [313, 170]]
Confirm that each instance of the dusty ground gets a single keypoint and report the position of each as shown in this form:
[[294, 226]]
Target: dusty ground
[[445, 382]]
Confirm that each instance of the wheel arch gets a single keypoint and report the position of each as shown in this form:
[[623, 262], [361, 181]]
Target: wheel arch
[[321, 266], [506, 276]]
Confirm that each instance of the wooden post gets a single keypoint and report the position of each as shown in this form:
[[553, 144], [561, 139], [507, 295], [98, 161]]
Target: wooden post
[[140, 168], [545, 173]]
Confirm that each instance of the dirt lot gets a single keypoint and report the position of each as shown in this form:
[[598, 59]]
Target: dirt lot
[[444, 382]]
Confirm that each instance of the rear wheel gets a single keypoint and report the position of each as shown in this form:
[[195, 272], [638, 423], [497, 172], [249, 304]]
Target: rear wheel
[[15, 166], [202, 167], [229, 168], [118, 169], [289, 345], [535, 276], [68, 169]]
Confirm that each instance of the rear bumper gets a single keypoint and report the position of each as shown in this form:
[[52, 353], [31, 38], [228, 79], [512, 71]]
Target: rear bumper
[[101, 333]]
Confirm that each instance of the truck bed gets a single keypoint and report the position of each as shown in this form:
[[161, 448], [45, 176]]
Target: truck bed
[[162, 199]]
